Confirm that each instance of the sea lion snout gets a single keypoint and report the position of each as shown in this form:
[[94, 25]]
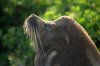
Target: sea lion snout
[[32, 20], [33, 23]]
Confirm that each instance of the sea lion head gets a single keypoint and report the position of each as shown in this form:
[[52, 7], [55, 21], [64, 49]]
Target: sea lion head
[[50, 32]]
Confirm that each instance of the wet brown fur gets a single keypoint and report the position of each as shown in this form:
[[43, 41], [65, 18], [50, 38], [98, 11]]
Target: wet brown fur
[[68, 38]]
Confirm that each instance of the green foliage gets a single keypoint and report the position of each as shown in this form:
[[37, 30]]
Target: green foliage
[[84, 12], [16, 49]]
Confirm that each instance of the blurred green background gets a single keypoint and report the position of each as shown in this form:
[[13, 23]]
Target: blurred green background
[[16, 49]]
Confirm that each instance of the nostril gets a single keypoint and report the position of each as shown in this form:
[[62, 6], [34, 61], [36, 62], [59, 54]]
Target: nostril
[[33, 15]]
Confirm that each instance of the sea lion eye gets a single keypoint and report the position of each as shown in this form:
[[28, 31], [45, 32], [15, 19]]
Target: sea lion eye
[[47, 27]]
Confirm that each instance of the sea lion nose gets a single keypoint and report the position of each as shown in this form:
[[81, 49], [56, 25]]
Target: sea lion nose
[[33, 21], [33, 16]]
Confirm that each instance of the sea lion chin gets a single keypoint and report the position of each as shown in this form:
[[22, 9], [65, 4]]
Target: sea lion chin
[[61, 42]]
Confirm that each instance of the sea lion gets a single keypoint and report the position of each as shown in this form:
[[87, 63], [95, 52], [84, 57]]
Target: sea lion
[[61, 42]]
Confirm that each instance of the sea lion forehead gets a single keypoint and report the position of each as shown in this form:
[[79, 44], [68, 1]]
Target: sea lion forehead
[[63, 20]]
